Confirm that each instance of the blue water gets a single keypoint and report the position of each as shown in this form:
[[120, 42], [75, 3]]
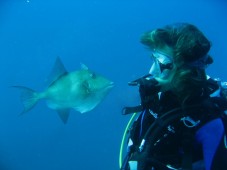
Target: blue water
[[104, 35]]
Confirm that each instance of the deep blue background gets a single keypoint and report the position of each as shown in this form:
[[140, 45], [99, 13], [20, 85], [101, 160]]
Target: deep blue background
[[104, 35]]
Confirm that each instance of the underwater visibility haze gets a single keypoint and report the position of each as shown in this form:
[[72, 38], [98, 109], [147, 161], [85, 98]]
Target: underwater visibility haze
[[104, 35]]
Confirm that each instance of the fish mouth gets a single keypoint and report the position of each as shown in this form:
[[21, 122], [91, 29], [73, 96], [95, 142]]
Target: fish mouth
[[110, 85]]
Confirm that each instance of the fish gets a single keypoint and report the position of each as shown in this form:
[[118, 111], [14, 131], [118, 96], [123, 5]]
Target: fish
[[80, 90]]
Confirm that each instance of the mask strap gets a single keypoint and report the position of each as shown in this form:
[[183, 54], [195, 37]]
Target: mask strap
[[201, 63]]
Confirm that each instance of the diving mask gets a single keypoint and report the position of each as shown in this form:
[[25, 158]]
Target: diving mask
[[162, 64]]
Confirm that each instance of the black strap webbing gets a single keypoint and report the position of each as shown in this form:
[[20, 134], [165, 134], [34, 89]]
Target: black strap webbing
[[187, 144]]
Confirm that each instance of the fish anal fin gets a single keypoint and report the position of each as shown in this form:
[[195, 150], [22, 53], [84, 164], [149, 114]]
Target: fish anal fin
[[64, 115]]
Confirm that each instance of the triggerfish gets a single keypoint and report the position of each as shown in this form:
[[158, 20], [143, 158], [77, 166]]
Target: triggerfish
[[81, 90]]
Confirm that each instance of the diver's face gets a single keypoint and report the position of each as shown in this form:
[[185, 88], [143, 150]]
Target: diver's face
[[162, 64], [162, 68]]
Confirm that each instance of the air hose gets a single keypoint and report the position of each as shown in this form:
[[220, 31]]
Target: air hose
[[124, 138]]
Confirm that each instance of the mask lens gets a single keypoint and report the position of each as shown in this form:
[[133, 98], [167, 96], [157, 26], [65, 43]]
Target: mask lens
[[155, 69], [162, 58], [161, 62]]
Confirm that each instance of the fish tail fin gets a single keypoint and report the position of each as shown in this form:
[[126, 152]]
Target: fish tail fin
[[29, 98]]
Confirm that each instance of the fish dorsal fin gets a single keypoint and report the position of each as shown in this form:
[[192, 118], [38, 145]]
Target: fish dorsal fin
[[64, 115], [83, 66], [57, 71]]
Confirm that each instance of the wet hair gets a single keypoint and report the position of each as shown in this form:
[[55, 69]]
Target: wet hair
[[189, 45]]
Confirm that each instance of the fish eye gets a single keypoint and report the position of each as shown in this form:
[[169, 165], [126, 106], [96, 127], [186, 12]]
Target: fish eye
[[93, 75]]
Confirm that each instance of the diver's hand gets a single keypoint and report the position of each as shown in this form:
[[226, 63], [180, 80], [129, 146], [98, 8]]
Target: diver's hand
[[148, 90], [148, 86]]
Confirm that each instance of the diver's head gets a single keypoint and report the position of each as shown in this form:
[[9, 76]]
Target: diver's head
[[180, 52], [186, 41]]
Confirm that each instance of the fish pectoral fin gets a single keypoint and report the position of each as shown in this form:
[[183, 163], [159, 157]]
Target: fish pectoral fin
[[64, 115]]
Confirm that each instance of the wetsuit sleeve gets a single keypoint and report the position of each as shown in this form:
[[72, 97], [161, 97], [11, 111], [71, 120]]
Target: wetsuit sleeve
[[209, 137]]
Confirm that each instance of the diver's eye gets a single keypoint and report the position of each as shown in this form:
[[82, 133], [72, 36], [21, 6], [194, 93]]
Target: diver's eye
[[93, 75], [168, 66]]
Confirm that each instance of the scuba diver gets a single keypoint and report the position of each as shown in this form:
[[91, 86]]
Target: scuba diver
[[182, 122]]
